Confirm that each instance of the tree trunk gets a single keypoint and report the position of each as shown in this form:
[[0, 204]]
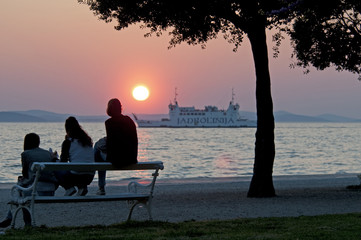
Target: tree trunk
[[262, 182]]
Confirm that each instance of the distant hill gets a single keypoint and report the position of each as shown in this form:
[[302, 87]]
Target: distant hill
[[45, 116], [282, 116], [335, 118], [248, 115], [18, 117]]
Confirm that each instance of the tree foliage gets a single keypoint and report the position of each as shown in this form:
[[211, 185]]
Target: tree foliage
[[193, 22], [326, 34], [323, 33]]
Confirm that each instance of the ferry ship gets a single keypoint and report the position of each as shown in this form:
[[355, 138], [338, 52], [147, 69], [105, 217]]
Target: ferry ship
[[209, 117]]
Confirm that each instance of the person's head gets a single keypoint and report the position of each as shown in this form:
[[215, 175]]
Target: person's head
[[114, 107], [72, 127], [31, 141], [74, 130]]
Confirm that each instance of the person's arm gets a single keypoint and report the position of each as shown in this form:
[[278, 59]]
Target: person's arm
[[25, 166], [24, 180], [107, 127], [65, 147], [135, 140]]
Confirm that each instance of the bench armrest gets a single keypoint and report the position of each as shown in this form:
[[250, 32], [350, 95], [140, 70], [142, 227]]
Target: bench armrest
[[17, 193]]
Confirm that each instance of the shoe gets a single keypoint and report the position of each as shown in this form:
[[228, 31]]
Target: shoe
[[82, 191], [6, 223], [101, 191], [70, 191]]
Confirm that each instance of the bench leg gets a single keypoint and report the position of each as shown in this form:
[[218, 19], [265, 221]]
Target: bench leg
[[14, 217], [16, 214], [131, 211], [144, 203], [149, 209]]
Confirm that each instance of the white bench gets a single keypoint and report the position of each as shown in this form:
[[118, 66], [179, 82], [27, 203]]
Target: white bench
[[137, 193]]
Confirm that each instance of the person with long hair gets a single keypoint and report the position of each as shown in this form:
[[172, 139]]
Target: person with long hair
[[47, 182], [77, 147], [120, 146]]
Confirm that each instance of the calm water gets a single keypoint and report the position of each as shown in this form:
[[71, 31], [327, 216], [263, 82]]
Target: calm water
[[301, 148]]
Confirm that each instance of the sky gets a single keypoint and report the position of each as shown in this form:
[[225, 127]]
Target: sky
[[55, 55]]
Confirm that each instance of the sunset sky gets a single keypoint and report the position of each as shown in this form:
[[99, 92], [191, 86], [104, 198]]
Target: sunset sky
[[55, 55]]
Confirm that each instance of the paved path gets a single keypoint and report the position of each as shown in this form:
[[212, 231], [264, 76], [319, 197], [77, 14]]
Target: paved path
[[204, 199]]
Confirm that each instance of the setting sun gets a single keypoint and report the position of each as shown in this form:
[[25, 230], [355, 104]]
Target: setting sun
[[140, 93]]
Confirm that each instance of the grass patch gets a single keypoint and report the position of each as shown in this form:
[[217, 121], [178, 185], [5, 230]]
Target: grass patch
[[343, 226]]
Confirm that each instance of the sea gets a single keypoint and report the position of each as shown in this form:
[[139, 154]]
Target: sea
[[301, 149]]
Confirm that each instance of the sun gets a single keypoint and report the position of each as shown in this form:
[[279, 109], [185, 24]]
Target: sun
[[140, 93]]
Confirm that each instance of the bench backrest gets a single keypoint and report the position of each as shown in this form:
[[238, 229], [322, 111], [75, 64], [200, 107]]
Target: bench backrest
[[56, 166]]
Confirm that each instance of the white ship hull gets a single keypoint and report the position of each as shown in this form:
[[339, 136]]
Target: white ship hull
[[197, 123], [209, 117]]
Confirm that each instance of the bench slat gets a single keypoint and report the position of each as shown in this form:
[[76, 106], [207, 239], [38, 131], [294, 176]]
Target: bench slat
[[66, 199], [56, 166]]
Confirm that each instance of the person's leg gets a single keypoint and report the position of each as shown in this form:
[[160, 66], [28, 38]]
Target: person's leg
[[82, 182], [101, 174], [7, 221], [26, 214], [100, 157], [26, 217], [65, 179], [46, 193]]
